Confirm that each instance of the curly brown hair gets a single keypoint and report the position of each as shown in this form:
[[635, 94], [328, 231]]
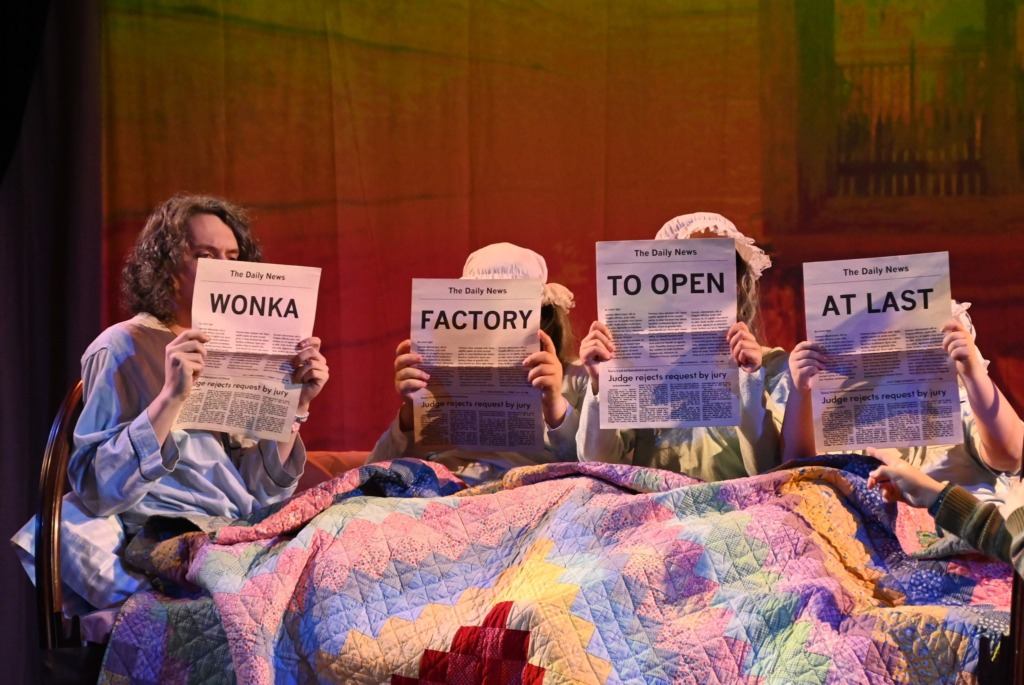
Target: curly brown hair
[[147, 280]]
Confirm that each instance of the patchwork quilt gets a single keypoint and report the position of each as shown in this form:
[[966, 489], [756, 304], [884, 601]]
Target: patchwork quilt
[[565, 573]]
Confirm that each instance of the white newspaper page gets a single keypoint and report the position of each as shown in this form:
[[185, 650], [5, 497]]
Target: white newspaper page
[[473, 336], [255, 315], [888, 382], [668, 304]]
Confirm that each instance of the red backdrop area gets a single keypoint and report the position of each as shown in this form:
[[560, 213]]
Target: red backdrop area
[[386, 141]]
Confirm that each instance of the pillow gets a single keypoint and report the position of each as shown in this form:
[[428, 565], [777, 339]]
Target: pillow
[[92, 572]]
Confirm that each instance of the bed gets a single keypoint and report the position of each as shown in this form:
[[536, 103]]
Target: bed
[[567, 573]]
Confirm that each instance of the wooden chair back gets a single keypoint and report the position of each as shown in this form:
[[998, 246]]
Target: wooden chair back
[[54, 630]]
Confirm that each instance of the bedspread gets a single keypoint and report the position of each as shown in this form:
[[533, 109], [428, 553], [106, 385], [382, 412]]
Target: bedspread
[[563, 573]]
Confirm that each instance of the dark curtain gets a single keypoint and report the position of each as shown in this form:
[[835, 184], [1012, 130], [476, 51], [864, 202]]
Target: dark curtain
[[51, 221]]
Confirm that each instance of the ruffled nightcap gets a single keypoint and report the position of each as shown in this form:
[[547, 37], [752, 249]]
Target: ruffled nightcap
[[505, 260], [688, 224]]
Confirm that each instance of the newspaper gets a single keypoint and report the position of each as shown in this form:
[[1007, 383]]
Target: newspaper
[[668, 305], [255, 315], [473, 336], [888, 382]]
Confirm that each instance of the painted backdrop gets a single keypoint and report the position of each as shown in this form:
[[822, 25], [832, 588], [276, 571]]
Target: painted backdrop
[[383, 141]]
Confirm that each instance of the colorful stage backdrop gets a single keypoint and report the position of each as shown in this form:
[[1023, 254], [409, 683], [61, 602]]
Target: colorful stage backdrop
[[383, 141]]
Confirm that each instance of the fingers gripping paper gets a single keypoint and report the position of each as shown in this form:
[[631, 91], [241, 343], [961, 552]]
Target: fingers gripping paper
[[255, 315], [669, 306], [887, 382], [473, 336]]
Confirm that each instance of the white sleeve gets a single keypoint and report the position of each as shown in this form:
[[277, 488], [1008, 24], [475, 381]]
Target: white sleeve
[[562, 440], [594, 443], [393, 444]]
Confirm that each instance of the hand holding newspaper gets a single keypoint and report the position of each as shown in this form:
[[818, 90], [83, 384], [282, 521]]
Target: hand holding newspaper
[[255, 315], [888, 382], [473, 336], [669, 305]]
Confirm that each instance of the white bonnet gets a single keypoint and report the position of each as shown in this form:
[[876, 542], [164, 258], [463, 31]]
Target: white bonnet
[[686, 225], [505, 260]]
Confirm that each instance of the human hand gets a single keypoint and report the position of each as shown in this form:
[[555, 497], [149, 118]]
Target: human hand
[[184, 359], [959, 345], [805, 361], [743, 347], [901, 482], [546, 375], [310, 370], [595, 348], [408, 376]]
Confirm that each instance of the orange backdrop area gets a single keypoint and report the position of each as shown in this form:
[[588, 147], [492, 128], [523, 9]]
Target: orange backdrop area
[[383, 141], [386, 140]]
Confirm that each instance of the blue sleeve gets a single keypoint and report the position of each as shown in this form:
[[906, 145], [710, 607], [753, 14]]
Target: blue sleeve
[[117, 457], [265, 477]]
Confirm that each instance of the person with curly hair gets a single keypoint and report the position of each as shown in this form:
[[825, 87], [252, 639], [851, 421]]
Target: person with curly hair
[[128, 458]]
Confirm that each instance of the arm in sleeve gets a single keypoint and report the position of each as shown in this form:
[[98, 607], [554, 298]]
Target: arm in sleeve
[[117, 458], [265, 477], [1015, 530], [562, 439], [393, 444], [996, 431], [978, 523], [594, 443], [763, 397], [973, 439]]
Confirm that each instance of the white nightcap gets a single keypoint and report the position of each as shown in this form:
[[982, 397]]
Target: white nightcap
[[688, 224], [505, 260]]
